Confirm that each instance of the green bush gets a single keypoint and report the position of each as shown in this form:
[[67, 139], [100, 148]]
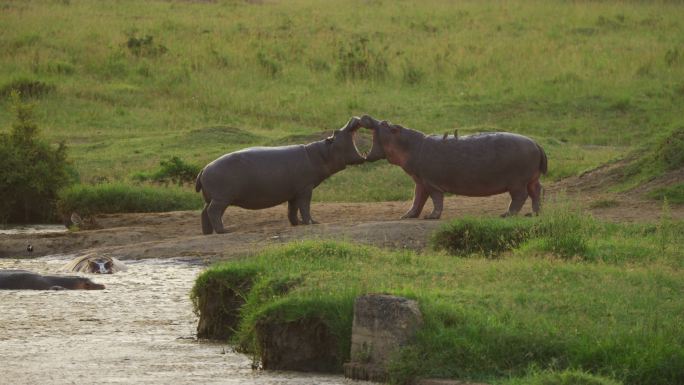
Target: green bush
[[32, 171], [144, 46], [174, 170], [121, 198], [359, 60], [670, 150], [26, 88], [488, 236]]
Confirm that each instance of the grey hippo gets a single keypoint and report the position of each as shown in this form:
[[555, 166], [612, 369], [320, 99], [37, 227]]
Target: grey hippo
[[260, 177], [95, 264], [26, 280], [476, 165]]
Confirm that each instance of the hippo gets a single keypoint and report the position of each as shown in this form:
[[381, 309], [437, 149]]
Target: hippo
[[26, 280], [260, 177], [95, 264], [476, 165]]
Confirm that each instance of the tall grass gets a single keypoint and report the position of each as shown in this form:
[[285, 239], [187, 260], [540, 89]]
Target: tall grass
[[589, 79], [119, 198]]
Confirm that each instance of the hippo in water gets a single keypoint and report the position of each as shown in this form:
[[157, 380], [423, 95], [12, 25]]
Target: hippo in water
[[26, 280], [261, 177], [476, 165], [94, 264]]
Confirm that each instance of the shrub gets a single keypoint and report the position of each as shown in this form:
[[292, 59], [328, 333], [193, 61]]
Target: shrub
[[144, 46], [32, 171], [26, 88], [359, 61], [488, 236], [269, 64], [412, 75], [670, 150], [174, 170], [121, 198]]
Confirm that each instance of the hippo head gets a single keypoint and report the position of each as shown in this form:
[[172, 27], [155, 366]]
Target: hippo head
[[342, 146], [83, 283], [390, 141], [100, 266]]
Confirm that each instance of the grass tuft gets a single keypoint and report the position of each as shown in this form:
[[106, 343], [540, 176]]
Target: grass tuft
[[120, 198], [673, 194], [486, 236]]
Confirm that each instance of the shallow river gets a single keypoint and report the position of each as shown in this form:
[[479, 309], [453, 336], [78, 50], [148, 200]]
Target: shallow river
[[140, 330]]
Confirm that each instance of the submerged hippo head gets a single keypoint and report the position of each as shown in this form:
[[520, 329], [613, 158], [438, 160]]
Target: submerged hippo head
[[342, 147], [71, 282], [390, 141], [100, 266]]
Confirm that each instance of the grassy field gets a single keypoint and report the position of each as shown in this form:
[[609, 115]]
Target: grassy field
[[127, 84], [517, 317]]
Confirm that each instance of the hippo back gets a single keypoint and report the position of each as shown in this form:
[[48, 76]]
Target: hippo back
[[479, 165], [26, 280]]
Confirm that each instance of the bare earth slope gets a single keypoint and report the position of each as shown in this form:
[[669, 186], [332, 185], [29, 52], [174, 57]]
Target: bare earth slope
[[178, 234]]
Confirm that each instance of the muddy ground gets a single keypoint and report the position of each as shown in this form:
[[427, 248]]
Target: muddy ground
[[141, 328], [178, 234]]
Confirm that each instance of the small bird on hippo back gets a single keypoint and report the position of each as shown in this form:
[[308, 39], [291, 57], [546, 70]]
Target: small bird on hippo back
[[475, 165]]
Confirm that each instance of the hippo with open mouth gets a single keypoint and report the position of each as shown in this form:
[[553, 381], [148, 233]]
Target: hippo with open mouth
[[261, 177], [476, 165], [26, 280]]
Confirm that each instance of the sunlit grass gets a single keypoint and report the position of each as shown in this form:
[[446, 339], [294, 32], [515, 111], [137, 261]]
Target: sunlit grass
[[588, 80]]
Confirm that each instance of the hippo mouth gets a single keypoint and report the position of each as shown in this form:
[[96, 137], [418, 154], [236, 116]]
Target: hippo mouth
[[363, 145], [375, 152]]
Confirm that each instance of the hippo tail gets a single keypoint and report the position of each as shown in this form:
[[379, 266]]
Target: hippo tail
[[543, 166], [198, 182]]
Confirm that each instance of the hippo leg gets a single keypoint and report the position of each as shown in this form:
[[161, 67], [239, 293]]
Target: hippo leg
[[518, 197], [215, 211], [420, 196], [534, 189], [206, 224], [438, 203], [292, 212], [304, 204]]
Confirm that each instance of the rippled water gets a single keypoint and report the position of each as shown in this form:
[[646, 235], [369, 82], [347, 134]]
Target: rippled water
[[33, 229], [139, 330]]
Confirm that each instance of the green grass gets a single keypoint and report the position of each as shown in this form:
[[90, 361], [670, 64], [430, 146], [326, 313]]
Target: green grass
[[673, 194], [659, 155], [498, 320], [568, 234], [485, 236], [131, 83], [120, 198]]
